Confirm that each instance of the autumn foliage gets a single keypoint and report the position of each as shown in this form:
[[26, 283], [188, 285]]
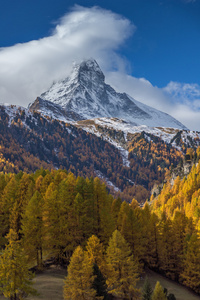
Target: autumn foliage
[[54, 212]]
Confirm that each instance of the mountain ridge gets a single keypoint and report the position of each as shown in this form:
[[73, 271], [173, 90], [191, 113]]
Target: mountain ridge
[[86, 95], [107, 141], [129, 162]]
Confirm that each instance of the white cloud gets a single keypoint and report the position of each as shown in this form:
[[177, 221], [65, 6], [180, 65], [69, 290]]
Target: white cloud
[[29, 69], [183, 91], [182, 101], [139, 88]]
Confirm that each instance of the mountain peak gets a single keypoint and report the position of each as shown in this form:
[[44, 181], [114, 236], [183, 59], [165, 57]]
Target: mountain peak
[[86, 94], [91, 65], [89, 70]]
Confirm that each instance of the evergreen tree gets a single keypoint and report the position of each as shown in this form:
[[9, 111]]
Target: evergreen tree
[[146, 290], [158, 293], [80, 278], [15, 277], [99, 284], [122, 268]]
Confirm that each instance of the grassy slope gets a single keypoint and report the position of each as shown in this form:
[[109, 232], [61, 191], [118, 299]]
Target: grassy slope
[[50, 285]]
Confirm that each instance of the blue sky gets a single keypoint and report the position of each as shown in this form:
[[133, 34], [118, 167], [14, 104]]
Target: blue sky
[[148, 48]]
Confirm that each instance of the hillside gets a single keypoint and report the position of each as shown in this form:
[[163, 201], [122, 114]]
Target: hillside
[[129, 166], [83, 125]]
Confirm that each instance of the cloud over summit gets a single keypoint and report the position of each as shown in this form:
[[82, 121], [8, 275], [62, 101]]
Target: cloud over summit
[[30, 68], [180, 100]]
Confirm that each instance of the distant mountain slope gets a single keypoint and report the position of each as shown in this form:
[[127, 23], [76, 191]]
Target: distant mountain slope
[[120, 133], [85, 95], [29, 141]]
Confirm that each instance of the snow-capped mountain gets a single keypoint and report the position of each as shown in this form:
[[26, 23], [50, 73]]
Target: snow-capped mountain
[[85, 95], [83, 125]]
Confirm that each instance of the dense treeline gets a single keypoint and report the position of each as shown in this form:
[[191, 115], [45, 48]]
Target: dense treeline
[[30, 141], [150, 157], [179, 207], [53, 213]]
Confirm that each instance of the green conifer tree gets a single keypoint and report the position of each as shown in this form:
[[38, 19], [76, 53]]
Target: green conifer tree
[[99, 284], [171, 297], [146, 290]]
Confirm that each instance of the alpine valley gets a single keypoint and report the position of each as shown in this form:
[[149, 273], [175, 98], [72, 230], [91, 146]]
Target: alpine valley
[[83, 125]]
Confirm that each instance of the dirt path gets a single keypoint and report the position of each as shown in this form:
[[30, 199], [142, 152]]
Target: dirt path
[[49, 285], [180, 292]]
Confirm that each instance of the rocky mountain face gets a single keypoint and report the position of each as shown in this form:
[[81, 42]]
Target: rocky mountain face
[[85, 95], [85, 126]]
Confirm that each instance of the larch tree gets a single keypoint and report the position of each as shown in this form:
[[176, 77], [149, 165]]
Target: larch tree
[[158, 293], [166, 247], [95, 252], [8, 199], [124, 209], [80, 278], [152, 233], [179, 227], [115, 208], [191, 272], [79, 217], [56, 222], [122, 268], [15, 277], [33, 229], [102, 214], [131, 231]]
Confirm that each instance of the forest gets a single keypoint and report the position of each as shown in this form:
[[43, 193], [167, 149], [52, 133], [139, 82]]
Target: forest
[[75, 221], [29, 141]]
